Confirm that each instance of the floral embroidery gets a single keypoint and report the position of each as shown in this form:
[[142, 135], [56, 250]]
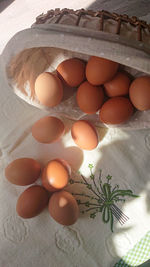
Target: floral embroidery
[[102, 198]]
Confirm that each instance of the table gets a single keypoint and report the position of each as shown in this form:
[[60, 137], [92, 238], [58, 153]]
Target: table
[[122, 154]]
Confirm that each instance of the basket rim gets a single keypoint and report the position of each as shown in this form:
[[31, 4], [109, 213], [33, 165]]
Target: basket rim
[[101, 14]]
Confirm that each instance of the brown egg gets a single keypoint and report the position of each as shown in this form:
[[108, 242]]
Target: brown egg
[[89, 98], [32, 201], [100, 70], [56, 174], [63, 208], [48, 130], [23, 171], [72, 71], [139, 93], [48, 89], [84, 135], [118, 86], [116, 110]]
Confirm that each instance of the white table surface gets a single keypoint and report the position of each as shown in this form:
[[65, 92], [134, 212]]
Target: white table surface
[[125, 155]]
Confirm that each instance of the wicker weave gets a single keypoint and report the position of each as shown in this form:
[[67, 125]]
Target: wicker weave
[[103, 16]]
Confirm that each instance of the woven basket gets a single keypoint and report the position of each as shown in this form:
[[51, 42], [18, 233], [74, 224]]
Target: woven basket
[[62, 34], [81, 17]]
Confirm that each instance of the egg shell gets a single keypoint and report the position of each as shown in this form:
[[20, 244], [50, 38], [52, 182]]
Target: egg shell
[[32, 201], [63, 208], [23, 171], [139, 93], [84, 135], [116, 110], [55, 175], [118, 86], [72, 71], [48, 89], [100, 70], [89, 98], [48, 130]]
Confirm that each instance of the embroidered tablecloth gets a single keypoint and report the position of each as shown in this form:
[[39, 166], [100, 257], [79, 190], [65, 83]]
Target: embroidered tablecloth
[[123, 158]]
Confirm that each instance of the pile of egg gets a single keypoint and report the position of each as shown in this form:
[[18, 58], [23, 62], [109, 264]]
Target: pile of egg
[[101, 87], [55, 175]]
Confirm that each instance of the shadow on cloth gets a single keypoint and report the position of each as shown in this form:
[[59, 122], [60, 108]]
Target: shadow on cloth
[[4, 4]]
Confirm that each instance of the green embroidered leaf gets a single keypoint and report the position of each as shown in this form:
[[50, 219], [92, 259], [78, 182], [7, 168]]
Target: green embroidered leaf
[[89, 186], [106, 215], [93, 215], [108, 177], [111, 220], [87, 204], [116, 186], [134, 195], [122, 193], [118, 199], [106, 190], [100, 201], [92, 177], [90, 166]]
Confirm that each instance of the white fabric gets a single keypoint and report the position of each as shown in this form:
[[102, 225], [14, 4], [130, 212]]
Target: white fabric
[[123, 154]]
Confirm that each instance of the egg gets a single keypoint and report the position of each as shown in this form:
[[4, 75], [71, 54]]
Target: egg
[[32, 201], [23, 171], [63, 208], [48, 89], [48, 130], [118, 86], [55, 175], [89, 98], [100, 70], [139, 93], [72, 71], [116, 110], [84, 135]]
